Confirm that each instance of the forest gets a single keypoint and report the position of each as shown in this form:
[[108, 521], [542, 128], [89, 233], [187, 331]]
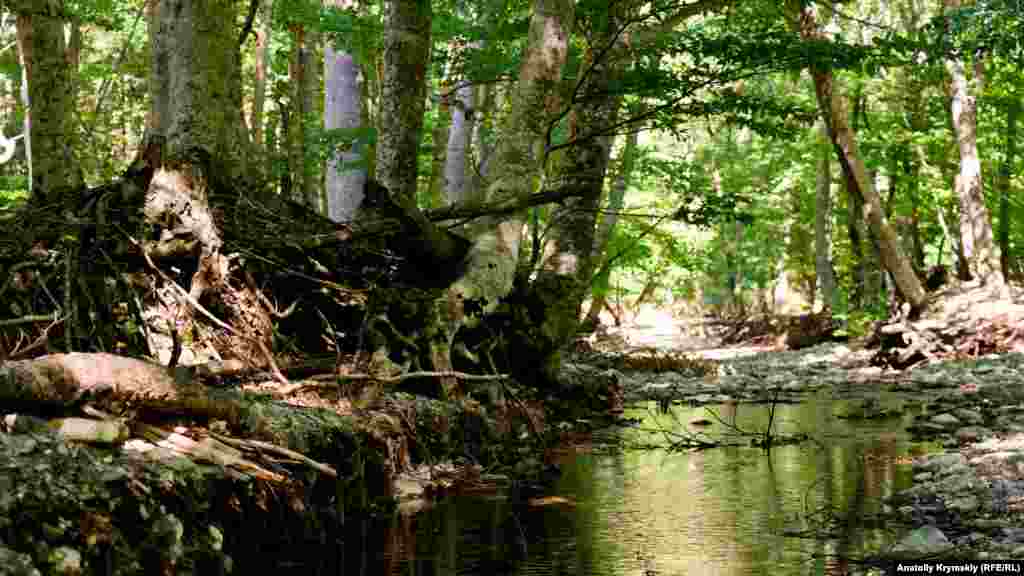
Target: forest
[[318, 244]]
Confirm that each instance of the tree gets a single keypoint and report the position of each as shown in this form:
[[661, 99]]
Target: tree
[[406, 56], [976, 240], [494, 257], [823, 227], [50, 135], [346, 171], [844, 141]]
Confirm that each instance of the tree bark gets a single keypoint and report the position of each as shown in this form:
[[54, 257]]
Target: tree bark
[[403, 97], [259, 91], [197, 114], [518, 158], [50, 135], [459, 133], [606, 228], [346, 171], [845, 144], [303, 77], [197, 84], [976, 239], [563, 279], [823, 228], [1005, 174]]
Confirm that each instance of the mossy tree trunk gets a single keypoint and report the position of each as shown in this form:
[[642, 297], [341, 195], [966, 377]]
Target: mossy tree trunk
[[50, 130], [606, 227], [519, 157], [563, 280], [197, 115]]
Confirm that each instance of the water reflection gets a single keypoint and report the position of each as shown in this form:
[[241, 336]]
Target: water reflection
[[735, 510]]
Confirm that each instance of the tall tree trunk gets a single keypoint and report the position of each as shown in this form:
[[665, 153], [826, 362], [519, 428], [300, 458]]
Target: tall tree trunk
[[303, 76], [459, 134], [486, 98], [1005, 173], [346, 171], [976, 238], [196, 84], [823, 227], [494, 257], [403, 97], [845, 144], [50, 135], [855, 233], [493, 260], [259, 91], [606, 227]]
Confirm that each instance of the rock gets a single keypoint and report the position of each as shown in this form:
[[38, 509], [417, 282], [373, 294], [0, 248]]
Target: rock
[[945, 420], [66, 560], [965, 505], [969, 416], [924, 540], [1014, 534], [938, 462], [16, 564], [972, 434]]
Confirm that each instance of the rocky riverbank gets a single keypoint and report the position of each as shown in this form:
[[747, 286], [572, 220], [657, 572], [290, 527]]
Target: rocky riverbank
[[967, 501]]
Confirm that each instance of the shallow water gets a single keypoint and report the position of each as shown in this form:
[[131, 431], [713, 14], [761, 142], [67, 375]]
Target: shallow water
[[633, 509]]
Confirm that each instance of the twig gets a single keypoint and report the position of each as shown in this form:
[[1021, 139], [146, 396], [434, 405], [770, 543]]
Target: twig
[[202, 310], [258, 445]]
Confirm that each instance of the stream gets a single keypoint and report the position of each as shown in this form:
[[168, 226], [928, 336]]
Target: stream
[[624, 506]]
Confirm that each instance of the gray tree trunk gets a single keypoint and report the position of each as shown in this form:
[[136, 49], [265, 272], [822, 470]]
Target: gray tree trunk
[[346, 172], [517, 161], [976, 239], [197, 84], [823, 227], [459, 133]]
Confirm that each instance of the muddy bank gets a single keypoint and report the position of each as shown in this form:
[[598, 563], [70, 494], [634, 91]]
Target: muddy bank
[[184, 504]]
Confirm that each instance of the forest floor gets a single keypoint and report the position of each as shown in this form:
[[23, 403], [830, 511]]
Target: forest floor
[[965, 390]]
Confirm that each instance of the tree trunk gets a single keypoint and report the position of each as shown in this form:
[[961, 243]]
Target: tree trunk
[[459, 133], [303, 77], [845, 144], [197, 113], [975, 226], [616, 198], [403, 97], [494, 257], [197, 84], [565, 273], [1005, 174], [823, 228], [50, 135], [259, 91], [346, 171]]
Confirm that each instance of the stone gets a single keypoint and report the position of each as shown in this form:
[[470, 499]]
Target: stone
[[924, 540], [965, 505], [945, 419], [969, 416], [941, 461], [972, 433]]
